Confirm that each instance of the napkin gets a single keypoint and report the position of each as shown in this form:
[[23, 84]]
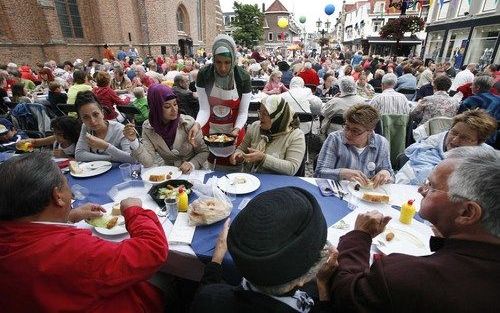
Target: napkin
[[182, 232]]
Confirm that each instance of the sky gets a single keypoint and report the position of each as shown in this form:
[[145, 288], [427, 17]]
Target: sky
[[311, 9]]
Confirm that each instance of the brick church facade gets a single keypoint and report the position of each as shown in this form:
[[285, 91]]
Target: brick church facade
[[38, 30]]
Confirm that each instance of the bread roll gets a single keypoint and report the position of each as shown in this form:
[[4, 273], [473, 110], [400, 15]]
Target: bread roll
[[116, 210], [376, 197], [156, 178], [208, 211], [74, 167]]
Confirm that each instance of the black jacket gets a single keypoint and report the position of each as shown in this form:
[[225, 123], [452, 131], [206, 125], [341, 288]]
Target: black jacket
[[218, 297]]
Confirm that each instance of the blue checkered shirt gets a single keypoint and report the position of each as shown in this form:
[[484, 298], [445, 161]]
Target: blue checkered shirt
[[336, 154]]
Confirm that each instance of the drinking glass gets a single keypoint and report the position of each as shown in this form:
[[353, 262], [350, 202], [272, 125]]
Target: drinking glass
[[135, 170], [126, 171], [170, 209], [79, 192]]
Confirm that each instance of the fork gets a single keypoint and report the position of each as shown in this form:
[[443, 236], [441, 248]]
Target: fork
[[91, 168], [340, 189], [231, 182]]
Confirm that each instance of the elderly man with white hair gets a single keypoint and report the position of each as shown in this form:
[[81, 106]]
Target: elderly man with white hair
[[390, 101], [464, 77], [460, 199], [340, 104]]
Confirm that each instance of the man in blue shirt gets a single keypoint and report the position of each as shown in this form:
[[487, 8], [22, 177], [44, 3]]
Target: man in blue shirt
[[357, 58], [483, 99]]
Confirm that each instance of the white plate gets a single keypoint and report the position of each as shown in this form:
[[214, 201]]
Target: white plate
[[94, 168], [119, 228], [231, 185], [135, 189], [406, 240], [359, 194], [160, 170]]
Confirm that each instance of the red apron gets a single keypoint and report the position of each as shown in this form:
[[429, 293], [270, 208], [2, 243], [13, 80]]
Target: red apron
[[223, 114]]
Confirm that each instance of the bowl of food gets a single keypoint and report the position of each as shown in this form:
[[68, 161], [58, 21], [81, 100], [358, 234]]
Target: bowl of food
[[219, 140], [168, 189]]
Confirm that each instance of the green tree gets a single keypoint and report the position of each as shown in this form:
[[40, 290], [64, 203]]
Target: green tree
[[248, 24]]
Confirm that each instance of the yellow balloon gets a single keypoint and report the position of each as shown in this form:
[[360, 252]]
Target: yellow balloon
[[282, 22]]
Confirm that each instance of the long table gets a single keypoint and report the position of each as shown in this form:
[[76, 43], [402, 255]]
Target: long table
[[187, 260]]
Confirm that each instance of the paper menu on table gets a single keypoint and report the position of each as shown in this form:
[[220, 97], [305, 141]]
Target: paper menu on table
[[182, 232], [196, 175]]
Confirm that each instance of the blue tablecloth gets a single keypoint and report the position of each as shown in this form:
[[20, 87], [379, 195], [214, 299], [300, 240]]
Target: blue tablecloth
[[205, 237], [98, 186]]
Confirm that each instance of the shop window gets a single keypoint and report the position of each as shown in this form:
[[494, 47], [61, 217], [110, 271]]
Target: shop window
[[457, 39], [483, 40], [434, 44]]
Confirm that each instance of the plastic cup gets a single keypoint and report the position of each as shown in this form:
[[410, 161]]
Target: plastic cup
[[171, 209], [79, 192], [126, 171], [135, 170]]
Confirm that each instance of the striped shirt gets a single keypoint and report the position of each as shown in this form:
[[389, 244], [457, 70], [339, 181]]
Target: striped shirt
[[337, 154], [391, 102]]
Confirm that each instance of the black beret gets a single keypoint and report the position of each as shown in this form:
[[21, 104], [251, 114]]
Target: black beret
[[278, 236]]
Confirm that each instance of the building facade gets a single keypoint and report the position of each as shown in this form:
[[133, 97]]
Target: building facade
[[464, 33], [360, 23], [274, 36], [228, 18], [38, 30]]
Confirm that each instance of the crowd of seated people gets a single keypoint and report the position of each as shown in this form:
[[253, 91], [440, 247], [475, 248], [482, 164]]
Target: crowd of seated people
[[180, 99], [375, 77]]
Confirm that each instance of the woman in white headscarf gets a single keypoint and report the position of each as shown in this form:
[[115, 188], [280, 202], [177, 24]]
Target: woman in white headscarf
[[224, 94], [274, 143], [302, 100]]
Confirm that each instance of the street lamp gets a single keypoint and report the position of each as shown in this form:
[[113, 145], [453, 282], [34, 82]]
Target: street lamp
[[322, 31]]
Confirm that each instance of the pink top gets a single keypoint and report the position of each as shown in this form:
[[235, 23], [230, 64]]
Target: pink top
[[273, 88]]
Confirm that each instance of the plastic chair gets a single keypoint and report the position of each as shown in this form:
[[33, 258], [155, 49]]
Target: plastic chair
[[394, 130], [66, 108], [409, 93], [128, 109], [439, 124], [305, 117], [257, 84]]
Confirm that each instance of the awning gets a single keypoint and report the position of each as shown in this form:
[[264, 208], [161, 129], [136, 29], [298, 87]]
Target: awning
[[408, 40]]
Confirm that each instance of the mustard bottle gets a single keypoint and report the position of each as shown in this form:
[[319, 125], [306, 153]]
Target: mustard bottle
[[407, 212], [182, 200]]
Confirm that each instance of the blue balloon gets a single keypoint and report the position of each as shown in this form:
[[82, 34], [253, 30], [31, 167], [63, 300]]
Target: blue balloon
[[329, 9]]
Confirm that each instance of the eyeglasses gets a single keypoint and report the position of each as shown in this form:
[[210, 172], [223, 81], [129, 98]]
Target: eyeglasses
[[354, 131], [427, 188]]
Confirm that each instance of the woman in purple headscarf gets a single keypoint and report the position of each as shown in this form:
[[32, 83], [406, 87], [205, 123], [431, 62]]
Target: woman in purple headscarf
[[166, 133]]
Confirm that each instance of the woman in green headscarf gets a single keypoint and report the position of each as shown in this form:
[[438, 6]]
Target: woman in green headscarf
[[274, 143], [224, 93]]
